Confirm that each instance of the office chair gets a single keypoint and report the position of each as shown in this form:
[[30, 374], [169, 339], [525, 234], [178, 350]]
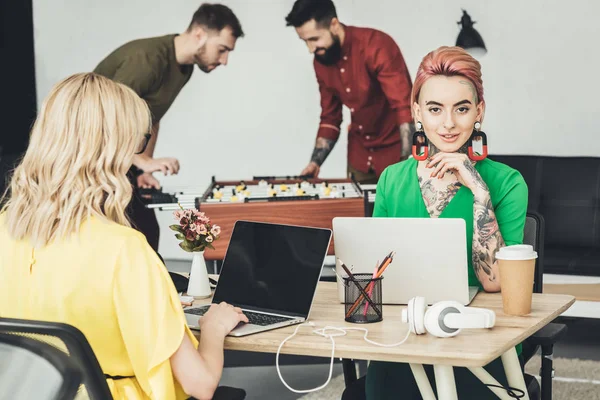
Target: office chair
[[545, 338], [63, 346], [30, 369]]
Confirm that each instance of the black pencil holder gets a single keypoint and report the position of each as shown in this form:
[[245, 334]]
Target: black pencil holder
[[363, 299]]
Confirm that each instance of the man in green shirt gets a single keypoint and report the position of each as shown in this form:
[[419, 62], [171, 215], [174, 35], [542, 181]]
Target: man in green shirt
[[157, 69]]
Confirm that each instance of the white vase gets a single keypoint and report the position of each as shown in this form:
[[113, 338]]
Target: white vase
[[199, 285]]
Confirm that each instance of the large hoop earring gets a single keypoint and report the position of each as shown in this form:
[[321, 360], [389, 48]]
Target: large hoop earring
[[478, 135], [420, 143]]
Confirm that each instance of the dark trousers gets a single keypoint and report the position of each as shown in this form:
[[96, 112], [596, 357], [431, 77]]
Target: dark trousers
[[142, 218], [369, 178], [227, 393]]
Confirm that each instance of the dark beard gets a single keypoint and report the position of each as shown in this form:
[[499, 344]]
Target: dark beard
[[203, 68], [199, 62], [332, 54]]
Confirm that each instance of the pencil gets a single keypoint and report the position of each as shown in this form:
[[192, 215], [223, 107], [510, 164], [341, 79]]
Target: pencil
[[377, 265]]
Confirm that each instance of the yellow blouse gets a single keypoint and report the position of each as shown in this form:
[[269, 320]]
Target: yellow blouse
[[108, 282]]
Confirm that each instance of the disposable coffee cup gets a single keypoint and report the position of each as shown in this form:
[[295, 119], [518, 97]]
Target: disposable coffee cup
[[517, 269]]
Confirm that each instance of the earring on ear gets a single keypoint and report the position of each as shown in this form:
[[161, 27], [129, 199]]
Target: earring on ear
[[477, 136], [420, 144]]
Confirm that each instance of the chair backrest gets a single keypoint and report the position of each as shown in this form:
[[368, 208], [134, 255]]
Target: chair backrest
[[565, 197], [30, 369], [369, 201], [533, 235], [69, 341]]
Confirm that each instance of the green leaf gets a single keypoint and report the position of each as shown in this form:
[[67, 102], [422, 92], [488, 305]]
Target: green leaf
[[183, 246], [187, 245], [210, 246], [180, 236], [198, 248], [176, 228]]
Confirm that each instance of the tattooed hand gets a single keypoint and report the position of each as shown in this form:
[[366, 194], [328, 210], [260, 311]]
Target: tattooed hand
[[462, 167]]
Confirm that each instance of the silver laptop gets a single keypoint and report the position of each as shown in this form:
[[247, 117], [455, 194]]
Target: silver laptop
[[270, 271], [430, 260]]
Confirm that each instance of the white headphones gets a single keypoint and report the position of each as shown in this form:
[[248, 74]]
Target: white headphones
[[444, 319]]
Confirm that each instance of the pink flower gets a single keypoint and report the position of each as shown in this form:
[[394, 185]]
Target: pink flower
[[201, 217], [188, 214], [178, 215], [209, 239], [193, 228], [201, 229], [216, 230]]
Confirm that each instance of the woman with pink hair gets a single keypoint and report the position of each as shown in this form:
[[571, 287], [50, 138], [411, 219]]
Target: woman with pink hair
[[448, 178]]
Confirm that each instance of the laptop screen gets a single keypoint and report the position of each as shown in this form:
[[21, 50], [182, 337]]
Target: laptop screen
[[273, 268]]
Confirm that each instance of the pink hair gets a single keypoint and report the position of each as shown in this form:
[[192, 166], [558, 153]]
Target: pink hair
[[448, 61]]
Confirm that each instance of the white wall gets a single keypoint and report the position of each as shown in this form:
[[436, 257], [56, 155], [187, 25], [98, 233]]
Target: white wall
[[259, 115]]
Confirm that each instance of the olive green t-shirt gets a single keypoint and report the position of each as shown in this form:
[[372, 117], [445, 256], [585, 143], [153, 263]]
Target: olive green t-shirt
[[150, 68]]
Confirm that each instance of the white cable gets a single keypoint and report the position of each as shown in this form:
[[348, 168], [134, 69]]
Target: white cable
[[279, 372], [323, 332]]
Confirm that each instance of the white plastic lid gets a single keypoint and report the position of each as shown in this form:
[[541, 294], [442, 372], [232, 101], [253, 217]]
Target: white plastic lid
[[517, 252]]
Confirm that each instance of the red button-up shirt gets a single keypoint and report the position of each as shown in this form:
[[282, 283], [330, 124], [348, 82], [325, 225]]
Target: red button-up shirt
[[372, 80]]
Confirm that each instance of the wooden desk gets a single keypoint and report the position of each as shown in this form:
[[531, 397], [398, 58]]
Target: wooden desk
[[471, 348]]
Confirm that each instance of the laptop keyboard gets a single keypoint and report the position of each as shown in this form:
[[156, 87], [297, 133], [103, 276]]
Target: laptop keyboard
[[254, 318]]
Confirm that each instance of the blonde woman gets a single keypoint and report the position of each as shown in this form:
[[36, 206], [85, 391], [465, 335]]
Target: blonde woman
[[67, 253]]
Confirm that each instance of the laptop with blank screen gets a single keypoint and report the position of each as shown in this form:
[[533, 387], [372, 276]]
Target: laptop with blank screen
[[430, 256], [271, 272]]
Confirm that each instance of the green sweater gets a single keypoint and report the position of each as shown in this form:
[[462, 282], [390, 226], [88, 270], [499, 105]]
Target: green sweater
[[399, 195], [150, 68]]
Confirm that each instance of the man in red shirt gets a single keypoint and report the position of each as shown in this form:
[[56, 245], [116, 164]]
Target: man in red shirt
[[363, 69]]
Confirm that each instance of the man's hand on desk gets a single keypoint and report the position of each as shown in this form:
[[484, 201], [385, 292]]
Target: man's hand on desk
[[222, 318]]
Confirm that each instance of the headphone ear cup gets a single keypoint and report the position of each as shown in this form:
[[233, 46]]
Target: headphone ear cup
[[434, 319], [419, 306]]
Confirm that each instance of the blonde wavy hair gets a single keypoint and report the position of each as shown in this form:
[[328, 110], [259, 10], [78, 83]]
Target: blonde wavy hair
[[81, 147]]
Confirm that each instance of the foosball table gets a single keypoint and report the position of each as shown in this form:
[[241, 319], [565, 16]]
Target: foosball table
[[292, 200]]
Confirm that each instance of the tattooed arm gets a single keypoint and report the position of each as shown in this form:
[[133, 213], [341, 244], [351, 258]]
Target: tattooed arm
[[322, 149], [407, 130], [487, 240]]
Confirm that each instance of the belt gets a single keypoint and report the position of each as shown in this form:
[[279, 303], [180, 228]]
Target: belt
[[117, 377]]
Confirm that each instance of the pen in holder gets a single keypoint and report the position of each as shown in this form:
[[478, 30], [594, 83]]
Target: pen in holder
[[363, 298]]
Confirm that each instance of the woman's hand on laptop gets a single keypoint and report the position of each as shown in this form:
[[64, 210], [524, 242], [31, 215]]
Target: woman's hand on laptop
[[224, 317]]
